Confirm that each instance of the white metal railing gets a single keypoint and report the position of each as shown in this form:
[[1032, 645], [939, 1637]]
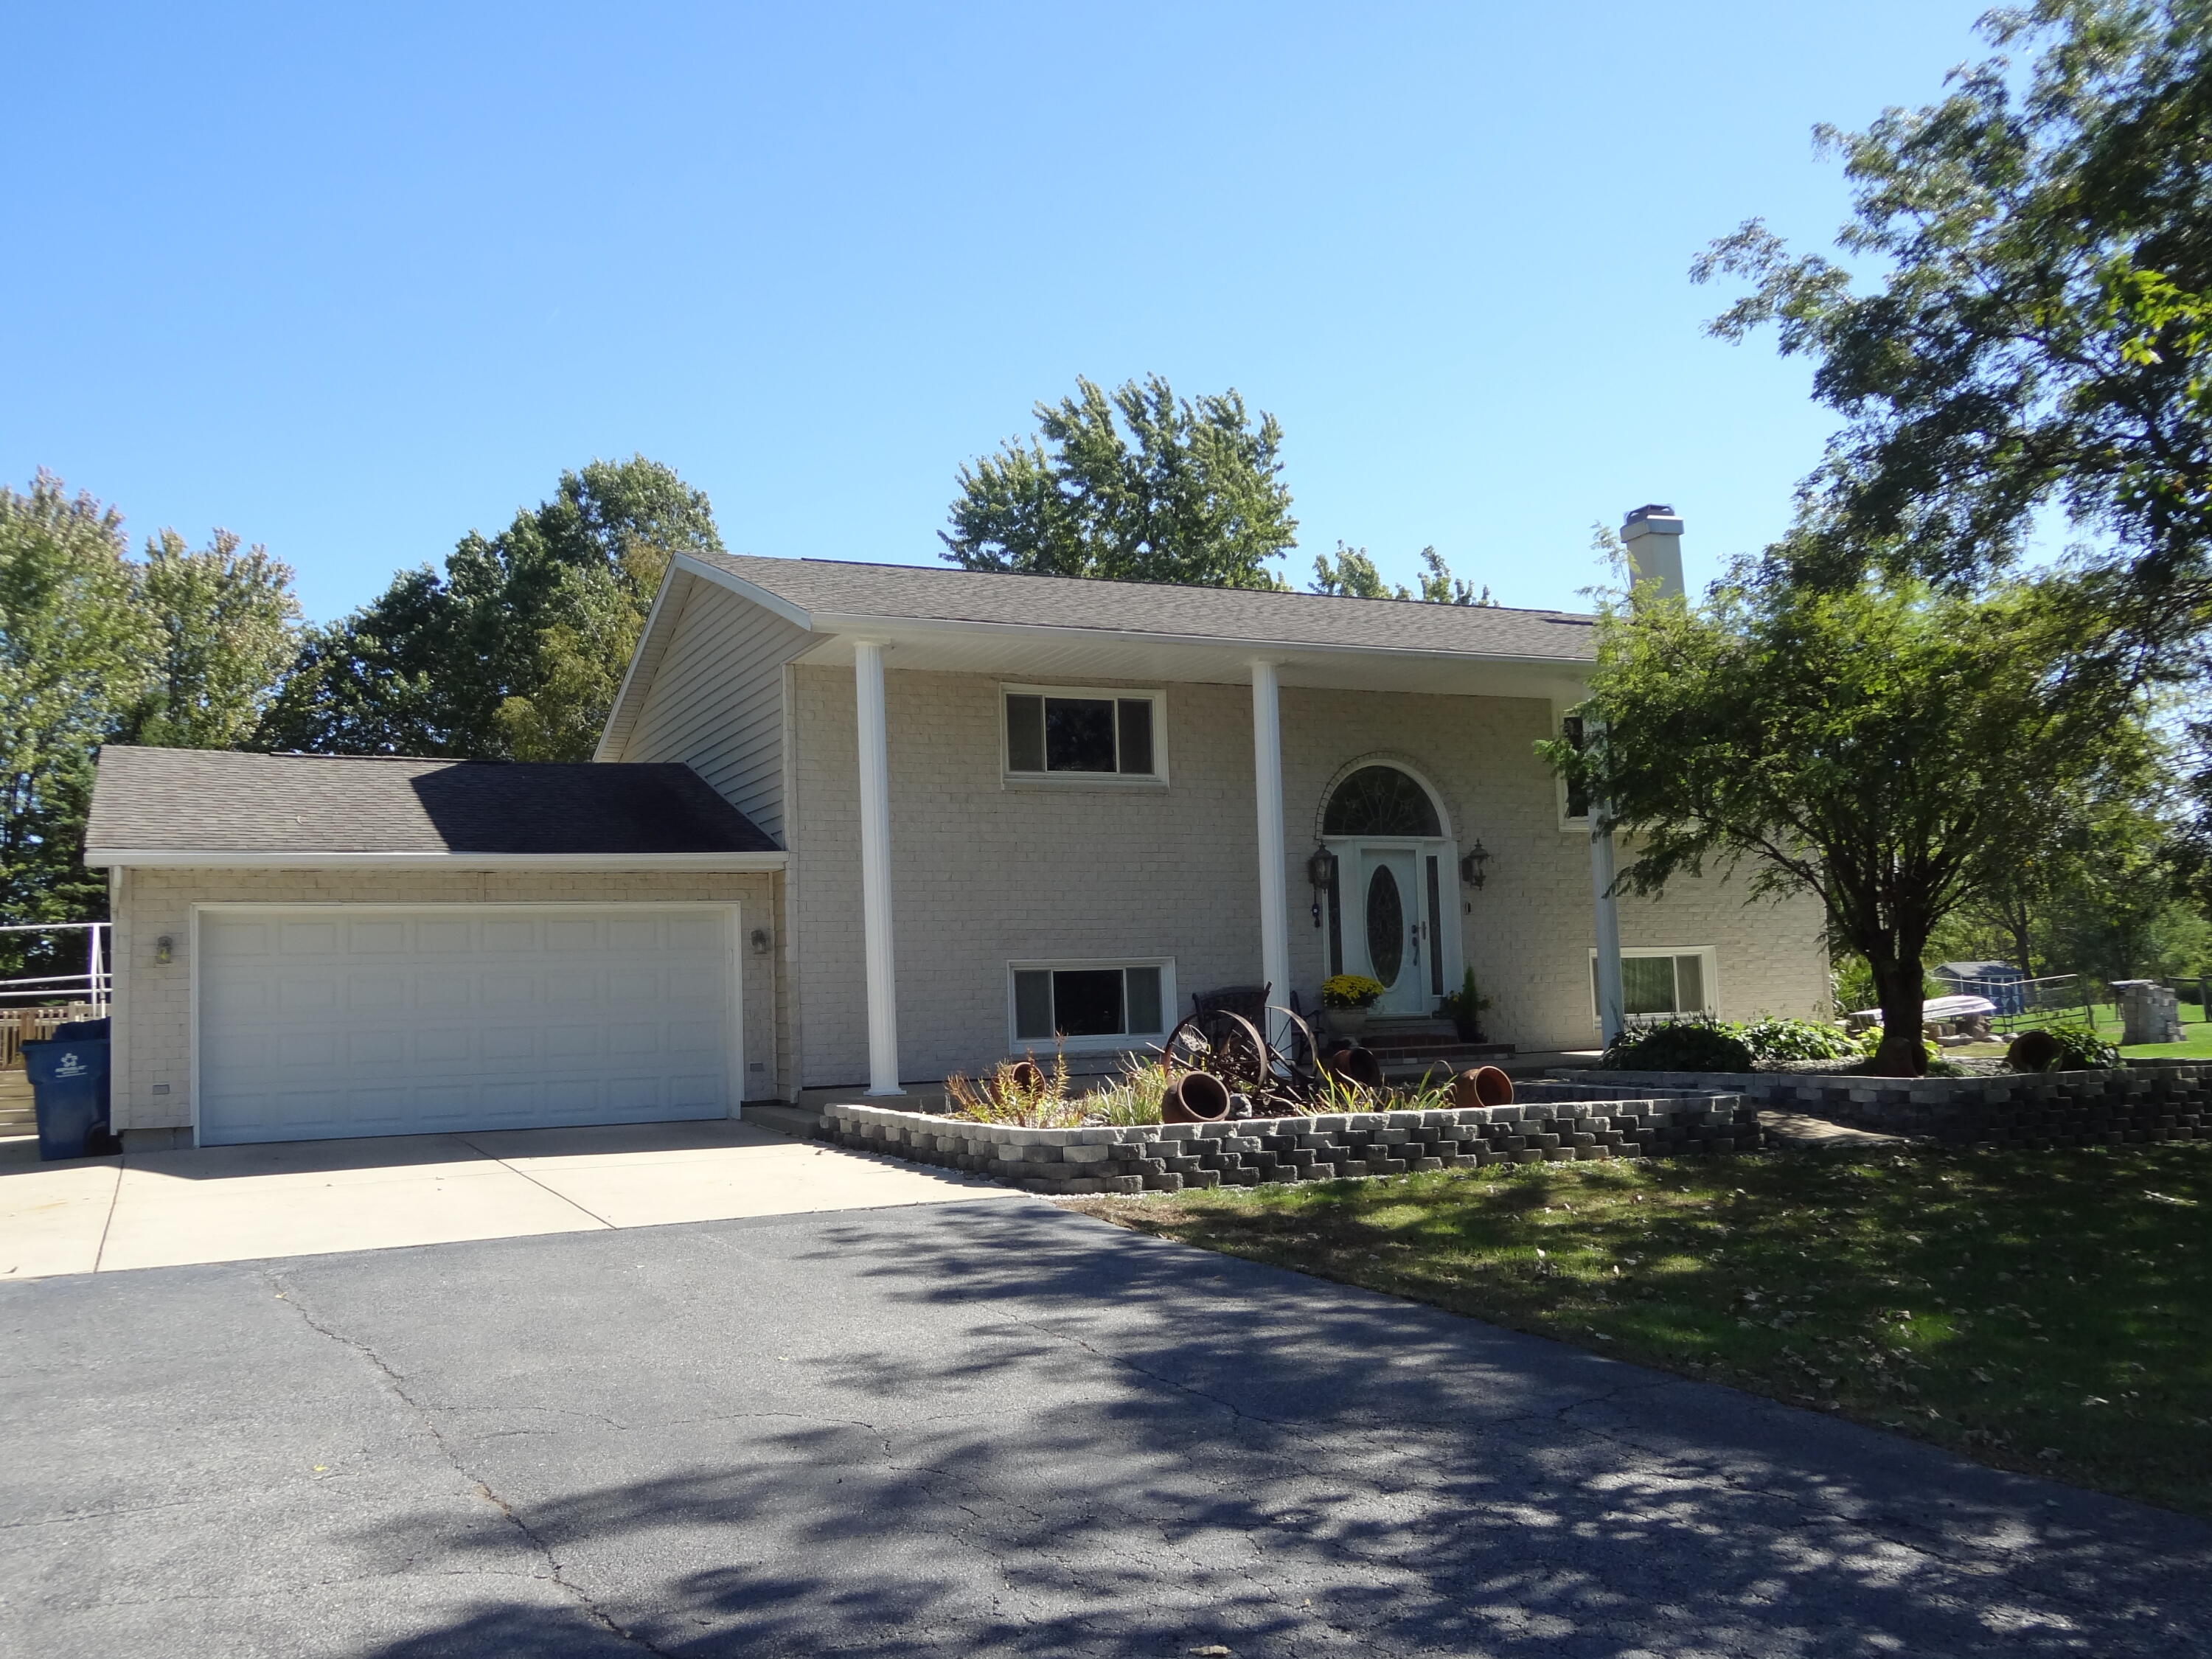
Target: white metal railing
[[92, 988]]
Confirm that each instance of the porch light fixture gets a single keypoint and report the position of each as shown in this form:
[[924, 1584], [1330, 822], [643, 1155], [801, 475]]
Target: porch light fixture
[[1320, 871], [1470, 867]]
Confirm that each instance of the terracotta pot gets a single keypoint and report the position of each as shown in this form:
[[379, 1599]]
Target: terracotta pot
[[1354, 1064], [1196, 1098], [1482, 1086]]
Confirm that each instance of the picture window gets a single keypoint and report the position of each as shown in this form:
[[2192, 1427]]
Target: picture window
[[1077, 734], [1092, 1003]]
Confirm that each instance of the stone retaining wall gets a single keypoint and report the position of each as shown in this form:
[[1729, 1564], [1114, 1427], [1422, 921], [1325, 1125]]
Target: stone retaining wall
[[1564, 1124], [2134, 1103]]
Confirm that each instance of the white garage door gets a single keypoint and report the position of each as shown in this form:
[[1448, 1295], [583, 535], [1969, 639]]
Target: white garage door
[[315, 1023]]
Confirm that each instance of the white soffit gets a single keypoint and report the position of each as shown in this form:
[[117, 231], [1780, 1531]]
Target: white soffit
[[1049, 654]]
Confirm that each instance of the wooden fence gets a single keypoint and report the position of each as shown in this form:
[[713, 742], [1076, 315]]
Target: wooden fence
[[22, 1025]]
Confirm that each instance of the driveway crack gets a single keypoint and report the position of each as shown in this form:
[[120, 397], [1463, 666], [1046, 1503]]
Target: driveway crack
[[427, 1415]]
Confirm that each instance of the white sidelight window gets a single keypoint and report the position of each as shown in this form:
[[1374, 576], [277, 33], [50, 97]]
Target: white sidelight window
[[1069, 734], [1654, 983], [1090, 1005]]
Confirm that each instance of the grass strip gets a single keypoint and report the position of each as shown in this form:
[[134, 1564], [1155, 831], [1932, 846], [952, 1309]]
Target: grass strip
[[2041, 1311]]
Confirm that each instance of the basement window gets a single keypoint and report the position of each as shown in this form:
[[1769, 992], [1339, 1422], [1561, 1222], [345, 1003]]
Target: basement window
[[1069, 734], [1090, 1005]]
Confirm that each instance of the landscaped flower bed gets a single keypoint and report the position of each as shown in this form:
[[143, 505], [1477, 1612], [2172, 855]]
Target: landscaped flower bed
[[1548, 1122]]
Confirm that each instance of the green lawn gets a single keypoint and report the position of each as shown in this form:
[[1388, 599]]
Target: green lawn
[[2043, 1311], [2196, 1043]]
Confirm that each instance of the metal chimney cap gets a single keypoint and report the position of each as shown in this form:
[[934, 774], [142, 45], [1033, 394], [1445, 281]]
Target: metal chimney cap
[[1649, 510]]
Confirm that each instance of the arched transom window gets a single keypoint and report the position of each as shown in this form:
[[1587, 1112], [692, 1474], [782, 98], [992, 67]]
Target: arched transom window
[[1380, 800]]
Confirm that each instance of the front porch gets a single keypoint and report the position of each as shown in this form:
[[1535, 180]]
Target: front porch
[[1366, 781]]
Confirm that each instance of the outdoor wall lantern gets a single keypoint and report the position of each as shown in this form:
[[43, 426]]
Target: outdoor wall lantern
[[1320, 871], [165, 949], [1470, 867]]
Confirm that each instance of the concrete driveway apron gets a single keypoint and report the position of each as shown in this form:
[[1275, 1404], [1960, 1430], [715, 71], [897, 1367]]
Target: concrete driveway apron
[[302, 1197]]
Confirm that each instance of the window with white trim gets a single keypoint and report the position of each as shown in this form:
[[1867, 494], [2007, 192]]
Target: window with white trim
[[1072, 734], [1669, 980], [1090, 1005]]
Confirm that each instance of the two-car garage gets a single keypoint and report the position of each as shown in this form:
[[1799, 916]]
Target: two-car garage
[[311, 947], [315, 1023]]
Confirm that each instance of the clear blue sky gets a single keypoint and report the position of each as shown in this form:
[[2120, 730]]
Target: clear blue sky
[[351, 280]]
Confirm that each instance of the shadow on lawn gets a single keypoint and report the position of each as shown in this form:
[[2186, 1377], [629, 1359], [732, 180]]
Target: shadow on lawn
[[1115, 1445]]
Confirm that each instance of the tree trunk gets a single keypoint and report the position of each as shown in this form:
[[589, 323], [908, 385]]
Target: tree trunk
[[1898, 983]]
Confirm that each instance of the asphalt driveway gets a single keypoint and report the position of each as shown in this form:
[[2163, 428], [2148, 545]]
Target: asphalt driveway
[[967, 1428]]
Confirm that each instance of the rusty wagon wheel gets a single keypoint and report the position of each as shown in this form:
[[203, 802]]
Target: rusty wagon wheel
[[1228, 1045]]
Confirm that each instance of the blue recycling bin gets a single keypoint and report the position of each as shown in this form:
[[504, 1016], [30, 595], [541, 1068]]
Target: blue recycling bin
[[69, 1087]]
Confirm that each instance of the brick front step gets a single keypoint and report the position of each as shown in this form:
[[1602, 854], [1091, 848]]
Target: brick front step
[[1405, 1067]]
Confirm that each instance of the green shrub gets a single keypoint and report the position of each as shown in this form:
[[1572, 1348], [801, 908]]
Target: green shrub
[[2062, 1049], [1775, 1038], [1679, 1045]]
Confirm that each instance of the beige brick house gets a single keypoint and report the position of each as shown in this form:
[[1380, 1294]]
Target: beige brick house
[[968, 815]]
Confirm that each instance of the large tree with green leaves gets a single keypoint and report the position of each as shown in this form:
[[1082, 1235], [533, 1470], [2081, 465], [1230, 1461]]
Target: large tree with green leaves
[[184, 649], [1349, 573], [74, 649], [1136, 485], [2031, 327], [1891, 747], [517, 649], [225, 630]]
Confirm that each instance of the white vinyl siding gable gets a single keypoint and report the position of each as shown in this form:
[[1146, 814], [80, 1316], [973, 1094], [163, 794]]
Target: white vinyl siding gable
[[716, 702]]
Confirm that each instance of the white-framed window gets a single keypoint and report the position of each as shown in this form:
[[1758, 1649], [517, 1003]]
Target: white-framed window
[[1083, 734], [1656, 981], [1574, 800], [1093, 1004]]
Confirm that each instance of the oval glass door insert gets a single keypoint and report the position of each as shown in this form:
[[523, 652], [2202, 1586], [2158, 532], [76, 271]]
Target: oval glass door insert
[[1385, 925]]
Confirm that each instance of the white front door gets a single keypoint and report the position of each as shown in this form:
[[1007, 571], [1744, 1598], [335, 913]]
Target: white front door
[[1385, 928], [369, 1020]]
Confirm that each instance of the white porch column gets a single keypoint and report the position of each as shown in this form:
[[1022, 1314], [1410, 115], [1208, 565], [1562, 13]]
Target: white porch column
[[1274, 879], [875, 869], [1609, 1017]]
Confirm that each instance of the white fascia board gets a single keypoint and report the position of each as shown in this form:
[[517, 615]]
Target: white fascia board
[[795, 615], [890, 628], [98, 858]]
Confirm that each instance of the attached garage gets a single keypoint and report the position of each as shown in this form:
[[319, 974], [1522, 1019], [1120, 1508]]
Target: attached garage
[[318, 947], [364, 1020]]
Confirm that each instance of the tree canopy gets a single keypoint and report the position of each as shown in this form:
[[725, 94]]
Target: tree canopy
[[2037, 329], [1891, 747], [1352, 573], [1134, 485], [184, 650], [514, 652]]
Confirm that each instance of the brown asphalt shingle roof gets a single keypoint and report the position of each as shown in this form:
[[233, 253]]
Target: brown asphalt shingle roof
[[827, 588], [217, 800]]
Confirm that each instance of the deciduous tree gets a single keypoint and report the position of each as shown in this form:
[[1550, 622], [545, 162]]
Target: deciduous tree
[[1136, 485], [2033, 325], [226, 629], [1352, 573], [1890, 747], [515, 650], [74, 649]]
